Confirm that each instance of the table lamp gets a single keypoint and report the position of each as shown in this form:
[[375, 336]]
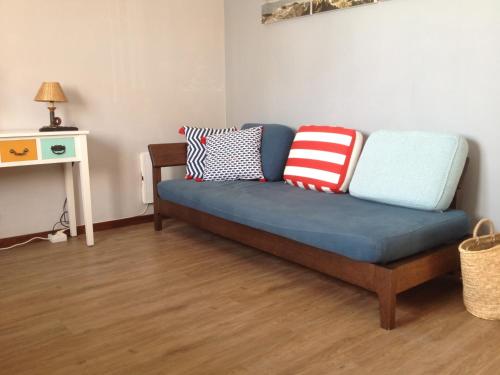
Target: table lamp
[[51, 92]]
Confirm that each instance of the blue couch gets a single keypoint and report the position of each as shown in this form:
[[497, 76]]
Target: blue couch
[[380, 240]]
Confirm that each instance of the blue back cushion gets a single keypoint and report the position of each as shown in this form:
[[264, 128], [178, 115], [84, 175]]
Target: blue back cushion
[[276, 143]]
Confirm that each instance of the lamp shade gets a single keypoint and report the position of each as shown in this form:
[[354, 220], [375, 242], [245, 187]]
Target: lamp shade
[[50, 92]]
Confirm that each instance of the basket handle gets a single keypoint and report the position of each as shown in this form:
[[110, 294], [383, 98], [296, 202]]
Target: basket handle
[[480, 224]]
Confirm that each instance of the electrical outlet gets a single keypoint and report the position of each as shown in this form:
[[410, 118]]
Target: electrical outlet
[[59, 236]]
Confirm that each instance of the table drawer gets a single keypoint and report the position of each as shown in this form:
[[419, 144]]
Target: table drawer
[[58, 148], [19, 150]]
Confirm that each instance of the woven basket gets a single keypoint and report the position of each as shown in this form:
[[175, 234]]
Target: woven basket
[[480, 258]]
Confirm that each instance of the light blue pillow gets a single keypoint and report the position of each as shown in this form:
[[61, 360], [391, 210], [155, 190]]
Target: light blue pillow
[[410, 168]]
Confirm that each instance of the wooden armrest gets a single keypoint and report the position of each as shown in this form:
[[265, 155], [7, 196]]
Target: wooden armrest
[[168, 154], [164, 155]]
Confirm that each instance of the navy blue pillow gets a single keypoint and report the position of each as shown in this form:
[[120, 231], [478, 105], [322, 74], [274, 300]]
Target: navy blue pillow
[[276, 143]]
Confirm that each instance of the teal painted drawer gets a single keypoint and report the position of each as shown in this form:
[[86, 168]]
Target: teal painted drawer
[[58, 148]]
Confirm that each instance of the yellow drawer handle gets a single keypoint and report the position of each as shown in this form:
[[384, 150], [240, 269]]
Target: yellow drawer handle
[[25, 151]]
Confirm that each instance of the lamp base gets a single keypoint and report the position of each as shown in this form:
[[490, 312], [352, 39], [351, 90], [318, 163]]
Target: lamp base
[[58, 128]]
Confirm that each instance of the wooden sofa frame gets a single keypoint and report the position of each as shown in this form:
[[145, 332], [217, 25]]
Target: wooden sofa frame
[[387, 281]]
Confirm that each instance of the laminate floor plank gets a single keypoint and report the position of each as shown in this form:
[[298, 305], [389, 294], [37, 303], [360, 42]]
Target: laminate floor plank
[[183, 301]]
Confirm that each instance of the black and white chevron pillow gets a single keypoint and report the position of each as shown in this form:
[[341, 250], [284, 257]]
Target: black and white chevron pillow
[[196, 150], [234, 156]]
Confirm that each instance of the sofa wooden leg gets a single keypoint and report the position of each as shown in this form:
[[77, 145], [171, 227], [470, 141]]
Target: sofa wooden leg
[[157, 215], [387, 302], [386, 290], [158, 223]]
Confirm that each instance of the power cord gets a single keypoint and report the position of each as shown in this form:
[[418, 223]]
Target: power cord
[[63, 222], [63, 219], [145, 209], [24, 243]]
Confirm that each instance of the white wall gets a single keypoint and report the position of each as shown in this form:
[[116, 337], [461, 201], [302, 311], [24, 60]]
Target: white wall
[[402, 64], [134, 72]]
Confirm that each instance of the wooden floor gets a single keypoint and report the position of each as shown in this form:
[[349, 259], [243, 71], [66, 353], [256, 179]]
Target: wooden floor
[[187, 302]]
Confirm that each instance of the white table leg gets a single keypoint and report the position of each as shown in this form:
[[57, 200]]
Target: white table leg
[[85, 189], [70, 195]]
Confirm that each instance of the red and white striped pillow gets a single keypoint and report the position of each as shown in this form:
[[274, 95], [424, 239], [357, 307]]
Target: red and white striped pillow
[[323, 158]]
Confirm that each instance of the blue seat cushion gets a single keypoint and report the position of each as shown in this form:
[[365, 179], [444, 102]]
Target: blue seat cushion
[[358, 229], [276, 143]]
